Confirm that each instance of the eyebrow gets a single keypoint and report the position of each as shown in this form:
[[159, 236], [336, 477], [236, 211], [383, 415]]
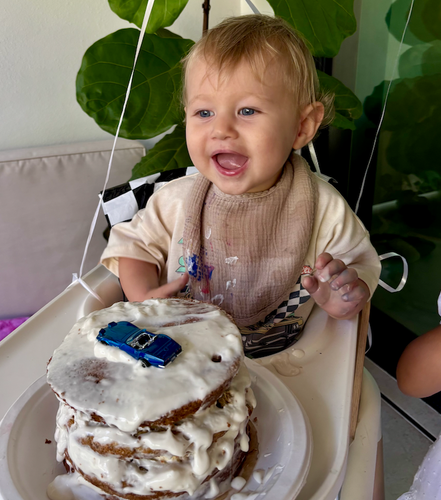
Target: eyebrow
[[206, 96], [196, 97]]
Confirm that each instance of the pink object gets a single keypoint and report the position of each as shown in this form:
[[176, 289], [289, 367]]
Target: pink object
[[9, 325]]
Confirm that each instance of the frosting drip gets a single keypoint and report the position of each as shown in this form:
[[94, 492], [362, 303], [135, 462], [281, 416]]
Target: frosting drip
[[167, 470]]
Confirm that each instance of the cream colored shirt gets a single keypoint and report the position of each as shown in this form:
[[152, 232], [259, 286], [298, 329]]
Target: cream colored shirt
[[155, 236]]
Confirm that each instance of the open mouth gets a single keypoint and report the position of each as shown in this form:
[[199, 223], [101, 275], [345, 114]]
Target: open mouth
[[230, 163]]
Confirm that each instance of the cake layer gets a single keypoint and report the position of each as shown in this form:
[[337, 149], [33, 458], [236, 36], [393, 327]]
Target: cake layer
[[194, 444], [133, 477], [115, 389]]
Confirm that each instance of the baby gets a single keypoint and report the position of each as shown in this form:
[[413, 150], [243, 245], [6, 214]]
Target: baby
[[254, 232]]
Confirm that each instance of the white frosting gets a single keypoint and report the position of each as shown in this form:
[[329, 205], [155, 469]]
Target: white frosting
[[238, 483], [164, 472], [129, 394], [72, 487], [188, 455]]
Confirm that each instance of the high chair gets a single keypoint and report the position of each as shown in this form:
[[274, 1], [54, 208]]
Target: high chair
[[340, 398]]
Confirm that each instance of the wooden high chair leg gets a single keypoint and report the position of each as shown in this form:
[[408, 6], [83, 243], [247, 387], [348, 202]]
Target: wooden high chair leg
[[379, 474], [362, 332]]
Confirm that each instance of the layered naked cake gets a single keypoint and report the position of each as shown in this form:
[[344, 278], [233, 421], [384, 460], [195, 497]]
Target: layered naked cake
[[138, 432]]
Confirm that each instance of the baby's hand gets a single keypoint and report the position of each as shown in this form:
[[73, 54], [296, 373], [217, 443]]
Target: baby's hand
[[336, 288], [168, 290]]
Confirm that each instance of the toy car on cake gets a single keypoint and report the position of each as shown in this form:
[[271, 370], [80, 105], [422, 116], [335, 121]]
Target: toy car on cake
[[150, 348]]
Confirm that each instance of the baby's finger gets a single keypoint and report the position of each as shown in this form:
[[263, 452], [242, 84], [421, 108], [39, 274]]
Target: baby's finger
[[323, 260], [334, 267], [319, 291], [353, 292], [310, 284], [349, 275]]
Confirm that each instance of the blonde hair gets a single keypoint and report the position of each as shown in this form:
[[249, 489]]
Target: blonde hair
[[259, 39]]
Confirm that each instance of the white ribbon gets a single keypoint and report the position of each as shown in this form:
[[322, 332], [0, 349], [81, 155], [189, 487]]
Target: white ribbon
[[405, 272], [314, 159], [76, 277], [252, 7], [389, 288]]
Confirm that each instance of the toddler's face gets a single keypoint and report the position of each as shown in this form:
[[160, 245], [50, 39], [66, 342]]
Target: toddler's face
[[240, 131]]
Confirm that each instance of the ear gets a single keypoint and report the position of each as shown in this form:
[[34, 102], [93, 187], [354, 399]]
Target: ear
[[309, 122]]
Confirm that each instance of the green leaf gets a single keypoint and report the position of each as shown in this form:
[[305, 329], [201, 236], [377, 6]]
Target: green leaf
[[153, 106], [347, 105], [424, 24], [423, 59], [163, 33], [324, 23], [422, 98], [342, 122], [167, 154], [412, 120], [164, 12]]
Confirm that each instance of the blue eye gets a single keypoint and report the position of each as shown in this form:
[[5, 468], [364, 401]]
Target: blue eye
[[247, 111], [205, 113]]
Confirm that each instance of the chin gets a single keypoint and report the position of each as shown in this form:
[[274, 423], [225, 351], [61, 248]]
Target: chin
[[231, 190]]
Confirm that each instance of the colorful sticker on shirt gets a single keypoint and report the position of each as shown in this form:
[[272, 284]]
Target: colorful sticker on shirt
[[181, 261]]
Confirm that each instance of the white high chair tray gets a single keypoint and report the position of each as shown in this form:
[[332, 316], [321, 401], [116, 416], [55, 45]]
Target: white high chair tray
[[321, 367]]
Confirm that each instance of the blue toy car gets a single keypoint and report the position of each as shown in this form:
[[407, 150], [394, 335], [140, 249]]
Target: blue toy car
[[152, 349]]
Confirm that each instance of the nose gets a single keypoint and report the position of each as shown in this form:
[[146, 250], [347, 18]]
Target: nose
[[224, 127]]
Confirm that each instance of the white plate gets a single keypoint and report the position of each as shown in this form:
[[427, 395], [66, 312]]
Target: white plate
[[28, 465]]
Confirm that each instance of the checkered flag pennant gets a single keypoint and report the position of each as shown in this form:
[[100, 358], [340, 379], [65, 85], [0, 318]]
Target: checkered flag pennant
[[120, 203], [297, 297]]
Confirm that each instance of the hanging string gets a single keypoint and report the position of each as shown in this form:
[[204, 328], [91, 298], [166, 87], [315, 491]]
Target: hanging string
[[384, 107], [404, 276], [252, 7], [78, 277], [314, 157]]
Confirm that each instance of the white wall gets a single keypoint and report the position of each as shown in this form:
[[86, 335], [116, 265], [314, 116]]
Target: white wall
[[41, 46]]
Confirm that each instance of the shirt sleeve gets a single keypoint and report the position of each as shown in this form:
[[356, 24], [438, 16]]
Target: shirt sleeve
[[147, 237], [341, 233]]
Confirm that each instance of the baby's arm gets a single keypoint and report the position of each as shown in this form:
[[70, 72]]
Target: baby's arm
[[140, 281], [419, 367], [336, 288]]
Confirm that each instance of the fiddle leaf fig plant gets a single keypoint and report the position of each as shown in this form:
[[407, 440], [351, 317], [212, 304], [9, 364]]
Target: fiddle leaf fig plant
[[170, 152], [154, 103], [164, 12], [324, 23], [347, 106], [105, 72]]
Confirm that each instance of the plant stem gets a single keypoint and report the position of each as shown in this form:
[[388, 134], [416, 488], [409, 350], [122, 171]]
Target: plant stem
[[206, 7]]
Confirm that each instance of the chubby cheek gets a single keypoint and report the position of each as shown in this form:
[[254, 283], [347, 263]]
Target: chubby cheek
[[193, 145], [273, 153], [196, 152]]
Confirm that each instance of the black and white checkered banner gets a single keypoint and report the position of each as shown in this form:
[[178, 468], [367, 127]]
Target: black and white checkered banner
[[120, 203], [296, 298]]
